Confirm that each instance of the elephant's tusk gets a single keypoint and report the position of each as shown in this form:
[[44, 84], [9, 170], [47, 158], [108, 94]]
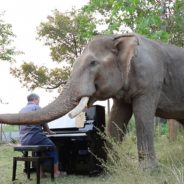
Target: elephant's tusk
[[79, 108]]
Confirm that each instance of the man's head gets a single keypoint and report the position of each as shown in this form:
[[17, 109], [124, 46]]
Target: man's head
[[33, 98]]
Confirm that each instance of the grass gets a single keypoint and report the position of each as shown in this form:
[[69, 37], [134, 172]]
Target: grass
[[169, 154], [10, 128], [124, 170]]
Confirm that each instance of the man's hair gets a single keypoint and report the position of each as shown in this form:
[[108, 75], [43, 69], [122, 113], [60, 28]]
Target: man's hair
[[32, 97]]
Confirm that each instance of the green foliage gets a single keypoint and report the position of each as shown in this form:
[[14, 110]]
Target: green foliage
[[176, 23], [140, 16], [57, 34], [156, 19], [10, 128], [131, 126], [65, 34], [6, 50], [163, 128], [33, 76]]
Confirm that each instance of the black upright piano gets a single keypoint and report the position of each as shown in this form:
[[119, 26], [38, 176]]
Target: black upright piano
[[82, 149]]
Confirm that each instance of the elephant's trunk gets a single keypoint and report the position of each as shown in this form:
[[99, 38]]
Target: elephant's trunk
[[66, 101]]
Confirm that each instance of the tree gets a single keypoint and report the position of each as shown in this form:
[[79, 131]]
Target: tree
[[156, 19], [7, 51], [139, 16], [65, 34], [176, 23]]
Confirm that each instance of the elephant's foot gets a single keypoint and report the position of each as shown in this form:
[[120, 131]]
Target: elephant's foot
[[149, 165]]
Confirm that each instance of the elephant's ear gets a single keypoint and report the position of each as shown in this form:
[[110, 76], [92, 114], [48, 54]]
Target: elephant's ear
[[126, 45]]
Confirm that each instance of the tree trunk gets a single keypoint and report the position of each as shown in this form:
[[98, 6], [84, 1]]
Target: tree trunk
[[172, 129]]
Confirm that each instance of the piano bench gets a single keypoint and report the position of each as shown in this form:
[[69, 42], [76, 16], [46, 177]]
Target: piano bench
[[36, 157]]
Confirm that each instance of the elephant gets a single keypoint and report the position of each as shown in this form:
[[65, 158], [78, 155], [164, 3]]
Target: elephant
[[143, 77]]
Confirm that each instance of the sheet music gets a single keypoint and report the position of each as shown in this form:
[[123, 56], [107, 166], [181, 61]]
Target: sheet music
[[62, 122]]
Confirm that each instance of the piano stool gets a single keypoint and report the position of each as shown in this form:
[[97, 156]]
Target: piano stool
[[37, 155]]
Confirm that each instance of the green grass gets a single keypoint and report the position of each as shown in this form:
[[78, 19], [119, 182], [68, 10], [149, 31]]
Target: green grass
[[10, 128], [170, 155], [124, 170]]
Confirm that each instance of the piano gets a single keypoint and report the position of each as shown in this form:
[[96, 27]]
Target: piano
[[81, 149]]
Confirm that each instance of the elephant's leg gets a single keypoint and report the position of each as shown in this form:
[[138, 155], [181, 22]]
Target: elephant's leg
[[144, 111], [119, 117], [181, 121]]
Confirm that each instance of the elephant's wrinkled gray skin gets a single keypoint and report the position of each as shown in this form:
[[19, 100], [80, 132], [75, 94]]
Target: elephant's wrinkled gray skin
[[144, 78]]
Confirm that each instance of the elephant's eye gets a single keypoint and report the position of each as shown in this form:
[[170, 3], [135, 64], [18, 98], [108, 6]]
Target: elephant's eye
[[93, 63]]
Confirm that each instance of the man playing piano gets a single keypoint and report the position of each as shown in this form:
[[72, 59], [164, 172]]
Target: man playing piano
[[34, 134]]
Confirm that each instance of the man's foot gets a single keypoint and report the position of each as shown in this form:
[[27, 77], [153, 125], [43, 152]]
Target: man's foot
[[43, 175], [58, 174]]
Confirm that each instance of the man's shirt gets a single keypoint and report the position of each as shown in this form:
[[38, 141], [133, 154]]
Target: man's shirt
[[31, 134]]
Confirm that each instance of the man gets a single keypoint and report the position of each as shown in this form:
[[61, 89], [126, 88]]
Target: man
[[34, 134]]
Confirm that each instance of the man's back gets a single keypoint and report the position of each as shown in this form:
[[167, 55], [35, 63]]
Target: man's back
[[30, 133]]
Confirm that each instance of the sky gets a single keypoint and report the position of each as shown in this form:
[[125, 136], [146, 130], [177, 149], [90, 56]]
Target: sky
[[25, 16]]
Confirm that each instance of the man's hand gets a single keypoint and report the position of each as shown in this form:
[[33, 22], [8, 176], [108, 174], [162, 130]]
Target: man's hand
[[50, 132], [46, 129]]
